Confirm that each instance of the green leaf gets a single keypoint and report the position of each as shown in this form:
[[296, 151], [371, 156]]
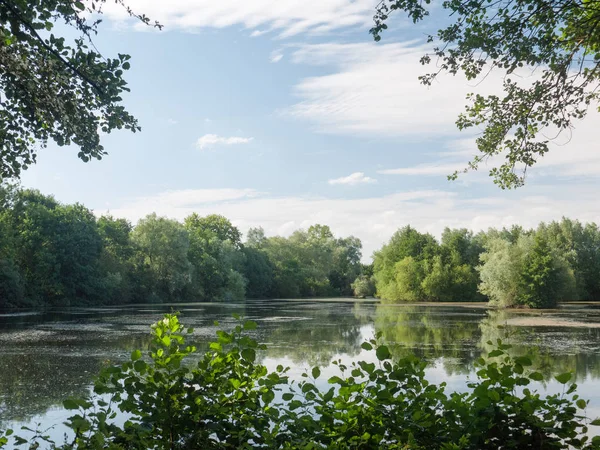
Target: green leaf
[[287, 396], [79, 5], [135, 355], [595, 422], [581, 403], [536, 376], [249, 354], [563, 378], [126, 65], [495, 353], [493, 395], [250, 325], [366, 346], [140, 366], [382, 353], [523, 361], [316, 372], [70, 404], [235, 382]]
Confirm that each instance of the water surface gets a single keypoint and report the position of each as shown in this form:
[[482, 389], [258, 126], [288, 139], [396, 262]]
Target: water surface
[[48, 356]]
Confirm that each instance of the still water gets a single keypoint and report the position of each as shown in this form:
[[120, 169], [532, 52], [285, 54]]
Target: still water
[[48, 356]]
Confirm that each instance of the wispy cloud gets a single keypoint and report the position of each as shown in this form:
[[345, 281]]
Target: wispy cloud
[[213, 140], [373, 89], [352, 179], [288, 17], [276, 56], [425, 169], [257, 33]]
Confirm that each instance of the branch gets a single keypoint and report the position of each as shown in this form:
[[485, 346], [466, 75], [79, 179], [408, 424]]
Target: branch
[[33, 31]]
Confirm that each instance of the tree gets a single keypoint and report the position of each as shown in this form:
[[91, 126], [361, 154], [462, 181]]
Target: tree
[[557, 40], [524, 273], [401, 261], [116, 259], [57, 88], [216, 256], [545, 278], [163, 246]]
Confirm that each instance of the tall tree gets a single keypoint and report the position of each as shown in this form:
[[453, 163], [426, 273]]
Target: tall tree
[[557, 40], [55, 87], [163, 246]]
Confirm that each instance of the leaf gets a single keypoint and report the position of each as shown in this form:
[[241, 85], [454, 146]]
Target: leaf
[[126, 65], [581, 403], [563, 378], [495, 353], [536, 376], [287, 396], [595, 422], [366, 346], [493, 395], [70, 404], [523, 361], [235, 382], [140, 366], [316, 372], [135, 355], [382, 352], [250, 325], [249, 354]]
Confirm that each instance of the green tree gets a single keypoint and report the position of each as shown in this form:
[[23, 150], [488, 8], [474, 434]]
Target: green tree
[[556, 40], [56, 87], [363, 286], [545, 277], [216, 256], [524, 273], [116, 259], [258, 270], [162, 256], [401, 261]]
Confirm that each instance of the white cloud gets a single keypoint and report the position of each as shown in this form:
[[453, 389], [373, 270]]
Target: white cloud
[[288, 17], [212, 140], [353, 179], [257, 33], [375, 218], [374, 89], [425, 169], [276, 56]]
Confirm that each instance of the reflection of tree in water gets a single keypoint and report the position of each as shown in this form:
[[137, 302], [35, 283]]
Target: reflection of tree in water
[[432, 333], [457, 336], [314, 335], [554, 350]]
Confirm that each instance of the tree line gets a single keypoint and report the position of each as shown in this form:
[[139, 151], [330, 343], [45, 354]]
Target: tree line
[[509, 267], [52, 254]]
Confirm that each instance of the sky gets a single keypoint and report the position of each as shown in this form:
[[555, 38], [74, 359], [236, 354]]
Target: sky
[[286, 114]]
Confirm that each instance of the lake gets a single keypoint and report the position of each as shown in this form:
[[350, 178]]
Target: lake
[[48, 356]]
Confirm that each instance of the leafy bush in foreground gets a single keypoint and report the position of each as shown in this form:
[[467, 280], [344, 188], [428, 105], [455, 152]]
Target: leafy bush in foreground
[[226, 400]]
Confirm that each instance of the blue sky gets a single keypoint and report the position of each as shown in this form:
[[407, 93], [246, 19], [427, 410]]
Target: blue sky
[[284, 114]]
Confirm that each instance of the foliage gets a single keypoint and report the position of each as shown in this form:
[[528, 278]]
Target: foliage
[[56, 254], [228, 400], [556, 42], [527, 272], [413, 266], [54, 87], [363, 286]]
